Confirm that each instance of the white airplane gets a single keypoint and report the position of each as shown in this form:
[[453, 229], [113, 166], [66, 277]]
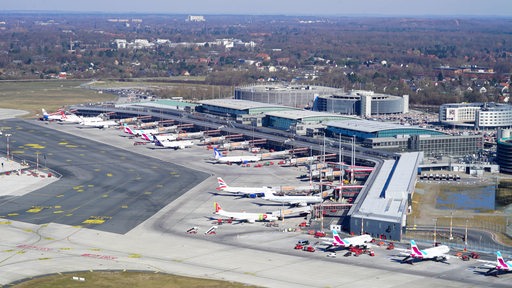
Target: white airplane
[[57, 116], [499, 266], [234, 159], [337, 241], [61, 116], [181, 144], [438, 253], [244, 216], [292, 200], [251, 192], [98, 124], [139, 132]]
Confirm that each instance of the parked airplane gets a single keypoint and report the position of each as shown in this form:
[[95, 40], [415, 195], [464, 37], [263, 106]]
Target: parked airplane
[[244, 216], [251, 192], [98, 124], [234, 159], [337, 241], [498, 266], [438, 253], [61, 116], [292, 200], [57, 116], [180, 144], [139, 132]]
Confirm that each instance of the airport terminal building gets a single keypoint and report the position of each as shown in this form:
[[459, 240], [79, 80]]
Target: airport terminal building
[[400, 138], [381, 208], [362, 103]]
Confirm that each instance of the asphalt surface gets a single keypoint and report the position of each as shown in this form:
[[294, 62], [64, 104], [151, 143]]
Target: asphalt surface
[[102, 187], [248, 253]]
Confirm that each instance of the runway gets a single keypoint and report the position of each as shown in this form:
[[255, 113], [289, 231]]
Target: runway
[[102, 188]]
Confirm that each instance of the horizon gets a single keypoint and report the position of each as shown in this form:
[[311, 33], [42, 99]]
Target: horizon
[[320, 8]]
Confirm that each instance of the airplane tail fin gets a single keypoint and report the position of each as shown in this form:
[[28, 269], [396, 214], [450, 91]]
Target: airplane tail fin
[[414, 249], [221, 183], [217, 207], [147, 137], [128, 130], [45, 114], [216, 153], [501, 262], [336, 238]]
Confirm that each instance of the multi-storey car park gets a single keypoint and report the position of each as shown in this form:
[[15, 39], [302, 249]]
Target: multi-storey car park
[[476, 115]]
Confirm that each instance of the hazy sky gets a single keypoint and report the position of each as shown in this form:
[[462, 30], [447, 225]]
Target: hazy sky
[[271, 7]]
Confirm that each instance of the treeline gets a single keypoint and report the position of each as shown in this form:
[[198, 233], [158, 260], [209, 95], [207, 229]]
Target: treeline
[[391, 55]]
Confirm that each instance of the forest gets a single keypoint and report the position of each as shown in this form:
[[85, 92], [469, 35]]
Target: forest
[[434, 60]]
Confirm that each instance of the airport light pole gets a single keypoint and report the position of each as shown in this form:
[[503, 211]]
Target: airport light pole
[[451, 225], [435, 231], [8, 152], [466, 236]]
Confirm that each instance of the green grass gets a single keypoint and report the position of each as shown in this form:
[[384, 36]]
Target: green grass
[[124, 279], [49, 94]]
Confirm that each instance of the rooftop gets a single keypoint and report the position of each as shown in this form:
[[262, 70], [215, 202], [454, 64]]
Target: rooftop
[[369, 126], [387, 198], [301, 114], [238, 104]]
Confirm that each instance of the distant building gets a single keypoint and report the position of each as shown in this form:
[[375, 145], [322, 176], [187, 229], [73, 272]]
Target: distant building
[[477, 115], [504, 151], [121, 43], [195, 18], [362, 103], [299, 96]]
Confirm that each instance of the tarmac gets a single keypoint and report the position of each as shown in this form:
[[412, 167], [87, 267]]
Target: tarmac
[[247, 253]]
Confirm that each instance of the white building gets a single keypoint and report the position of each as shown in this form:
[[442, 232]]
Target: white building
[[478, 115]]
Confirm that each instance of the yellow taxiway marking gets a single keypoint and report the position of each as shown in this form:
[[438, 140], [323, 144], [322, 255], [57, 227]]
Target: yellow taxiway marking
[[148, 192], [28, 230], [5, 222], [44, 258], [134, 255], [13, 214], [35, 210], [58, 212], [63, 143], [35, 146], [104, 196], [95, 249], [77, 226], [65, 248], [9, 250], [124, 206], [93, 221], [49, 238], [90, 185], [173, 173], [69, 214], [57, 206], [109, 174], [60, 195]]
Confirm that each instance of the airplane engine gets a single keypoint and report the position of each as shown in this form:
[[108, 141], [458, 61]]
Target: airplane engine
[[252, 195]]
